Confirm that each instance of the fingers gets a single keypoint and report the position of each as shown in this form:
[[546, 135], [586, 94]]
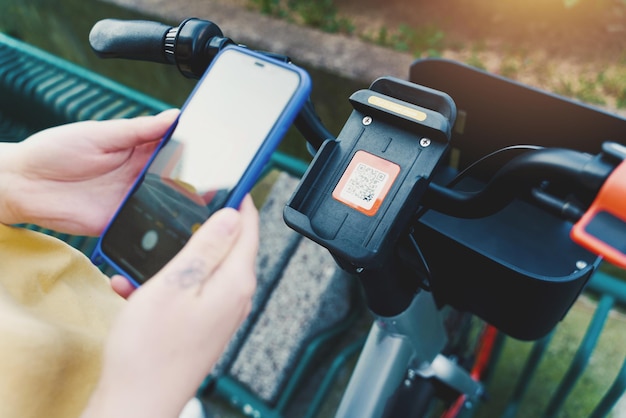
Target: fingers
[[111, 135], [250, 227], [122, 286], [235, 279], [120, 134], [245, 251]]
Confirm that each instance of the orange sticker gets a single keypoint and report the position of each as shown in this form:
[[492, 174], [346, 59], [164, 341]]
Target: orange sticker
[[366, 182]]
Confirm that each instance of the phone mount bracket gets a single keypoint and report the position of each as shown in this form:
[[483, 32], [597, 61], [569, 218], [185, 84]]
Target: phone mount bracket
[[362, 188]]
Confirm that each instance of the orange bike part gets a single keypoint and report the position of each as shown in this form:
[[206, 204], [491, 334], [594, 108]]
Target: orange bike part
[[602, 229]]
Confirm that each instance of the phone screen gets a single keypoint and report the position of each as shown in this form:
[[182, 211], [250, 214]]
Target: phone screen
[[218, 134]]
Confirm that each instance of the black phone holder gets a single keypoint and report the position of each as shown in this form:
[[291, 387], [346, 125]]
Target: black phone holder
[[361, 190]]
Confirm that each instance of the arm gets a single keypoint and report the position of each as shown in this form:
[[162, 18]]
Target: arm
[[174, 328], [71, 178]]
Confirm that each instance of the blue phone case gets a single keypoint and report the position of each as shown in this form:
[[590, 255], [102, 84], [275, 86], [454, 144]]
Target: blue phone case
[[254, 169]]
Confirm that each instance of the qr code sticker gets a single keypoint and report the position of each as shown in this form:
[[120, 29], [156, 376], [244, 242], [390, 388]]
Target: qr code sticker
[[364, 185]]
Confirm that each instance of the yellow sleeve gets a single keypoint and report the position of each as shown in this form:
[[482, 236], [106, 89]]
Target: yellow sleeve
[[55, 311]]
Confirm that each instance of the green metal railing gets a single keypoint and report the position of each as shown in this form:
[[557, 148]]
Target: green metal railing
[[39, 90], [611, 293]]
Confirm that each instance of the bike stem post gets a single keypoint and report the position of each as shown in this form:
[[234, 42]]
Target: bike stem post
[[406, 337], [392, 345]]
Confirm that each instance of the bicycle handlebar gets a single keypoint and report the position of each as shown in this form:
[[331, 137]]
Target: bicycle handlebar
[[560, 166], [191, 46], [143, 40]]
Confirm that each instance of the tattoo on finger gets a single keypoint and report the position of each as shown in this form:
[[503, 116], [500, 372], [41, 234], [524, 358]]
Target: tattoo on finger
[[194, 274]]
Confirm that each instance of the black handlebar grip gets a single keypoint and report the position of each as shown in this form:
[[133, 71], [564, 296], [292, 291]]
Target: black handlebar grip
[[130, 39]]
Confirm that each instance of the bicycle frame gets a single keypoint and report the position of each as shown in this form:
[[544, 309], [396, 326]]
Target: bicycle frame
[[411, 341]]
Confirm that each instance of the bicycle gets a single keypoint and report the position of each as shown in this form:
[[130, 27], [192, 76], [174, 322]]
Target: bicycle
[[416, 351]]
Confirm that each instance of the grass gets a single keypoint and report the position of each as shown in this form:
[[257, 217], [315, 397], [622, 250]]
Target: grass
[[423, 41], [601, 371], [592, 85], [320, 14]]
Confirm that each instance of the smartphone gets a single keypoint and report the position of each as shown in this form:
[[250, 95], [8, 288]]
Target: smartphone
[[210, 159]]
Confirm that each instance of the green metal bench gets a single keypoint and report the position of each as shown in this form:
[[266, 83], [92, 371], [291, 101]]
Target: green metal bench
[[299, 286]]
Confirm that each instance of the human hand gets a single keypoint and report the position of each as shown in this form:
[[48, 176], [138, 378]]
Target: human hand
[[71, 178], [175, 326]]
